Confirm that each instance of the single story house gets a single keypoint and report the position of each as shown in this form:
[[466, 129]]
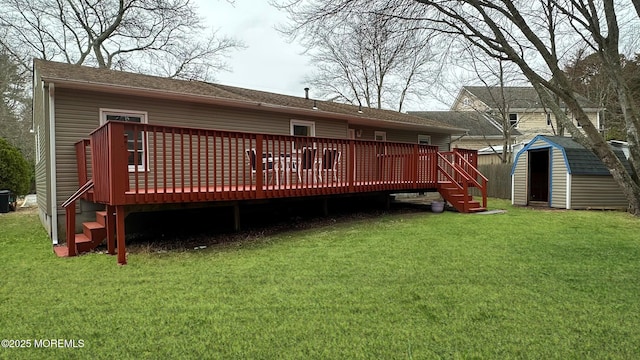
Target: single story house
[[560, 173], [109, 143]]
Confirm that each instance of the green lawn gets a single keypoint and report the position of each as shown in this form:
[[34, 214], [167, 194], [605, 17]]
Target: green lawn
[[526, 284]]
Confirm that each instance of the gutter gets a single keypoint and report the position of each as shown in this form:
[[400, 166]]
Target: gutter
[[243, 104]]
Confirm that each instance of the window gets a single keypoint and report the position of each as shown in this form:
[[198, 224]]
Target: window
[[303, 128], [513, 120], [135, 142], [380, 136], [548, 119], [466, 101], [424, 139]]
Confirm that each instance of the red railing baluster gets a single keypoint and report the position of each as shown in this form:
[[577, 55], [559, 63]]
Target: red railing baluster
[[222, 170]]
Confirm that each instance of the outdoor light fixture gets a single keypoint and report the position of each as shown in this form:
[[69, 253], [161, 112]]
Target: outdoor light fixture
[[359, 109], [315, 106]]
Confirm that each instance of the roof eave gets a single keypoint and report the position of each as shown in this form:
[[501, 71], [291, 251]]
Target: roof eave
[[242, 104]]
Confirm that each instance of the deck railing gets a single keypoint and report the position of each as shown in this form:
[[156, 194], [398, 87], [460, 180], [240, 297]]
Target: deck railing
[[142, 163]]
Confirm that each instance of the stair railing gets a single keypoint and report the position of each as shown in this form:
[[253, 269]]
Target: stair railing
[[70, 210], [474, 178], [454, 170]]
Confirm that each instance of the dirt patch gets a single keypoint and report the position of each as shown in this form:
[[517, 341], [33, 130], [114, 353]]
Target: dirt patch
[[255, 229]]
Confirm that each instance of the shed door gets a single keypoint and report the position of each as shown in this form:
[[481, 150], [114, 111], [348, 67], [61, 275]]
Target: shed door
[[539, 175]]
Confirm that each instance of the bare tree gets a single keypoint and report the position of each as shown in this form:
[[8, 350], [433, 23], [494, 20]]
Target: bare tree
[[15, 109], [535, 35], [369, 60], [162, 37], [496, 75]]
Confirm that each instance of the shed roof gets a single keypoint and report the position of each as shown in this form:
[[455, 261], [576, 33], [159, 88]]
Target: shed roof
[[579, 160], [127, 82]]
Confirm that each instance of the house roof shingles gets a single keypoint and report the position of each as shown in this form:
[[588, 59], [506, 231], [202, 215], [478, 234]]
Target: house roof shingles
[[517, 97], [55, 71]]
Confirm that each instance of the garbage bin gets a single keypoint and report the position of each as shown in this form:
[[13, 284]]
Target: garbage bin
[[4, 201]]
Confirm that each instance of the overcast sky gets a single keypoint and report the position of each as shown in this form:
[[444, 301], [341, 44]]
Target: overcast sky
[[268, 63]]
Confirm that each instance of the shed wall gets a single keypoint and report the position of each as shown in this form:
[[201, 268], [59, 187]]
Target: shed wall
[[558, 177], [598, 192], [520, 180]]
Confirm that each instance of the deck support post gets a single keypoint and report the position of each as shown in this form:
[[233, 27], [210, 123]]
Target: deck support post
[[386, 202], [122, 251], [236, 217], [325, 207], [111, 230]]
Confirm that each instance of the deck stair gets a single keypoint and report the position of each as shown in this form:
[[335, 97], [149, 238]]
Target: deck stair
[[93, 234], [456, 177], [458, 199]]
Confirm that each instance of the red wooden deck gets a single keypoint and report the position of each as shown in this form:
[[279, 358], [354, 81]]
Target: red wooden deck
[[127, 163]]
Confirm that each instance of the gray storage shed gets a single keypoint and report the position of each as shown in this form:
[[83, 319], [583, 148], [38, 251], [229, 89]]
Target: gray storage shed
[[558, 172]]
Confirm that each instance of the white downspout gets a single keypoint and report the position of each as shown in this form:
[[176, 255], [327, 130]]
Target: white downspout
[[52, 154]]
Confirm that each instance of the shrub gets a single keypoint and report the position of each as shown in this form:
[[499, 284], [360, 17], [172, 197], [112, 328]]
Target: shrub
[[14, 169]]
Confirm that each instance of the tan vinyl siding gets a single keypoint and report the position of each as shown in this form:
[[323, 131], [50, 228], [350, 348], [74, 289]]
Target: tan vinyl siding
[[520, 180], [540, 144], [442, 141], [597, 192], [405, 136], [41, 127], [77, 115], [558, 180]]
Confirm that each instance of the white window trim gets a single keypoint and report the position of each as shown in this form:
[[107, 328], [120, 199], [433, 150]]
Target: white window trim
[[144, 119], [307, 123], [382, 134], [422, 137]]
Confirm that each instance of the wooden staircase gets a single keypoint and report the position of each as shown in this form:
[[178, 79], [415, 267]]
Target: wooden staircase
[[456, 176], [92, 235], [461, 201]]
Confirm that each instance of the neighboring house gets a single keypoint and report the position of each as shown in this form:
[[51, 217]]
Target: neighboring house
[[558, 172], [483, 130], [522, 105], [110, 143]]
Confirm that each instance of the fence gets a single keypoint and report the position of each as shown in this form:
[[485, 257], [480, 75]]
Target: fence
[[499, 176]]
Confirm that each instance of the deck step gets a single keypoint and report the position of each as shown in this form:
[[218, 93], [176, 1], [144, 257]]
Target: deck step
[[61, 250], [83, 243], [94, 231], [101, 218]]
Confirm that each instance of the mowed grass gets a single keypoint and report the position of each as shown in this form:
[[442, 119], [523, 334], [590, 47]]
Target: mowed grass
[[527, 284]]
